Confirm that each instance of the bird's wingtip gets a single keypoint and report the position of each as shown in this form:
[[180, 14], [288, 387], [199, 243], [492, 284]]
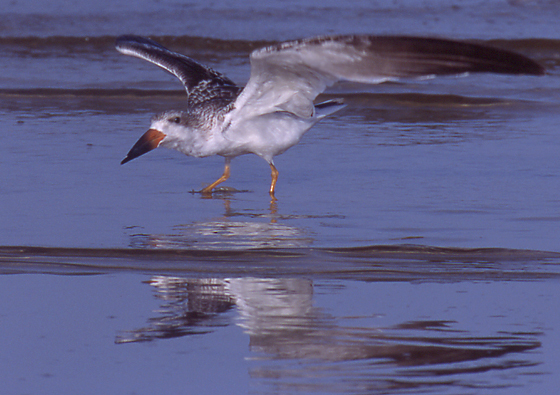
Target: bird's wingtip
[[539, 69]]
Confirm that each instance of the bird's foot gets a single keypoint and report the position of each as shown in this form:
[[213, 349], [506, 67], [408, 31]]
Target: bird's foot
[[220, 191]]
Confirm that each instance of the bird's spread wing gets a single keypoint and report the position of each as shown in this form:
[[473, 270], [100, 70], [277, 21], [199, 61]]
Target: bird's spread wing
[[288, 76], [201, 82]]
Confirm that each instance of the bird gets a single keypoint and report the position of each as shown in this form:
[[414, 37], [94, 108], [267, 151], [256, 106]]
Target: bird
[[276, 107]]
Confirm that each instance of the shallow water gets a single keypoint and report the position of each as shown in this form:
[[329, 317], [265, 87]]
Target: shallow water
[[352, 320], [413, 247]]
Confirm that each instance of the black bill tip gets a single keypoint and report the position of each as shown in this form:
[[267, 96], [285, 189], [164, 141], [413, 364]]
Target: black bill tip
[[149, 141]]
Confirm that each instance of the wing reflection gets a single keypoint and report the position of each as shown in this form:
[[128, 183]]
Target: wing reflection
[[188, 307]]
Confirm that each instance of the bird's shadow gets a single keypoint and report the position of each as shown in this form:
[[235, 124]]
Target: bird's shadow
[[219, 193]]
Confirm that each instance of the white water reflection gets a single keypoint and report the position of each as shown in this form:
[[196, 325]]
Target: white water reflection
[[228, 233]]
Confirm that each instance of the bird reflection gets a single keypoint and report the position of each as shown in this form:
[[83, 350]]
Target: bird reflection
[[279, 316], [283, 325], [235, 230], [194, 306]]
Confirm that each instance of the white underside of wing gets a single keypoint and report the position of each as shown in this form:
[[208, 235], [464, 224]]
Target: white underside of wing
[[290, 79], [277, 104]]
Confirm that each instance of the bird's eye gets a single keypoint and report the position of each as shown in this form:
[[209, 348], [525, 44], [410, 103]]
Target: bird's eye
[[175, 119]]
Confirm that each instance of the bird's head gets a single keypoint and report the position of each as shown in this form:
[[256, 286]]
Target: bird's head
[[166, 130]]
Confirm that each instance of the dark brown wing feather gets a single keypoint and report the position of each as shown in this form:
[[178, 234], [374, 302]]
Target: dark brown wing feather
[[201, 82]]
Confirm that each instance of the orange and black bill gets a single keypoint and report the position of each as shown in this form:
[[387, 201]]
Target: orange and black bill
[[146, 143]]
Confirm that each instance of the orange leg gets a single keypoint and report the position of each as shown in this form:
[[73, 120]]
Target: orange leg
[[274, 175], [224, 177]]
